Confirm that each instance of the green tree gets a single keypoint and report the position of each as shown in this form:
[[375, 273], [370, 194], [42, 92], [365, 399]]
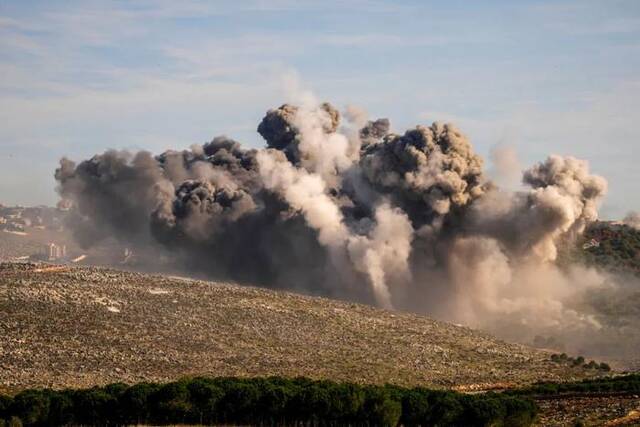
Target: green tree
[[380, 408], [61, 408], [415, 407], [95, 406], [205, 397], [483, 412], [31, 406], [134, 403], [171, 404], [5, 406], [348, 403], [239, 401], [446, 409]]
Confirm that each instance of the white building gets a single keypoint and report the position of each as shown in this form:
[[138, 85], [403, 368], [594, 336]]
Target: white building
[[53, 252]]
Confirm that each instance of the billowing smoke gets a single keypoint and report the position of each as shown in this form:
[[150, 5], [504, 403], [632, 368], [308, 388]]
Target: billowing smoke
[[507, 169], [352, 210], [632, 219]]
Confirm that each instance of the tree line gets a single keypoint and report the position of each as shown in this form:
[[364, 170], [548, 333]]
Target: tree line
[[629, 383], [263, 401]]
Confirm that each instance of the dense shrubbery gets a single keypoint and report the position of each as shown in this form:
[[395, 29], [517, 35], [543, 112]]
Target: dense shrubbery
[[579, 361], [264, 401], [625, 383], [617, 250]]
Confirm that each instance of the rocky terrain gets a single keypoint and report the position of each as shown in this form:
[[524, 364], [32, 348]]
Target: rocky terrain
[[81, 326], [590, 411]]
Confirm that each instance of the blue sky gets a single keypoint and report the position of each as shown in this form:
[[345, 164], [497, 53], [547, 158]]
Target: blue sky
[[546, 77]]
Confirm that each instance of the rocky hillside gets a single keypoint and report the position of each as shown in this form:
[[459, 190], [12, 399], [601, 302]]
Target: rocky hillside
[[83, 326]]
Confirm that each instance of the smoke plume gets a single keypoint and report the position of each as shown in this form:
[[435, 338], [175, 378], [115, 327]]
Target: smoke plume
[[632, 219], [351, 210], [507, 169]]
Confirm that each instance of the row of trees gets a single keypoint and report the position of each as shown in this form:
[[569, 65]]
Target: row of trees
[[579, 361], [270, 401], [619, 384]]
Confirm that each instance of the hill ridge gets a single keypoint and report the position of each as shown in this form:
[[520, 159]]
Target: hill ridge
[[83, 326]]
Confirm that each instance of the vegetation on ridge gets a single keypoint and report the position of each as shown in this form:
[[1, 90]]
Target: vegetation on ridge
[[609, 246], [259, 401]]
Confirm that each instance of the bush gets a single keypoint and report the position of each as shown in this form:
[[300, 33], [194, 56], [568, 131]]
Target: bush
[[591, 365], [578, 422], [579, 361], [520, 412], [484, 412]]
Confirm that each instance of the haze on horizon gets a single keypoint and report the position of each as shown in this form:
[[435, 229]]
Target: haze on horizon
[[544, 77]]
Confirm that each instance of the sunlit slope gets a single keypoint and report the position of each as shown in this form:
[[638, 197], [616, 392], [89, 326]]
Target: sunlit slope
[[65, 326]]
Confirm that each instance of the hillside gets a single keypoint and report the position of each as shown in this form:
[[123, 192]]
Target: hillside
[[83, 326], [30, 243], [617, 247], [21, 245]]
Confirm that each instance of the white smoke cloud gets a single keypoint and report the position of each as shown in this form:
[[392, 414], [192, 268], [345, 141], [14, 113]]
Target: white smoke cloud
[[506, 167]]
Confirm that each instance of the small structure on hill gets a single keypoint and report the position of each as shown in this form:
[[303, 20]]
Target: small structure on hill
[[53, 252], [593, 243]]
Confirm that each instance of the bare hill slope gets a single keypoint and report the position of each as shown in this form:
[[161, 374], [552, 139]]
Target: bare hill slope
[[63, 326]]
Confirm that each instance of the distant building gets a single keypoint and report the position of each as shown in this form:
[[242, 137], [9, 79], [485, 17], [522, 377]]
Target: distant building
[[14, 226], [593, 243], [128, 256], [64, 205], [53, 252]]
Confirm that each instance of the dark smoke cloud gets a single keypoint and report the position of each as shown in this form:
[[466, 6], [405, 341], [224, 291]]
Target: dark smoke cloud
[[114, 194], [281, 130], [428, 171], [374, 131], [407, 221]]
